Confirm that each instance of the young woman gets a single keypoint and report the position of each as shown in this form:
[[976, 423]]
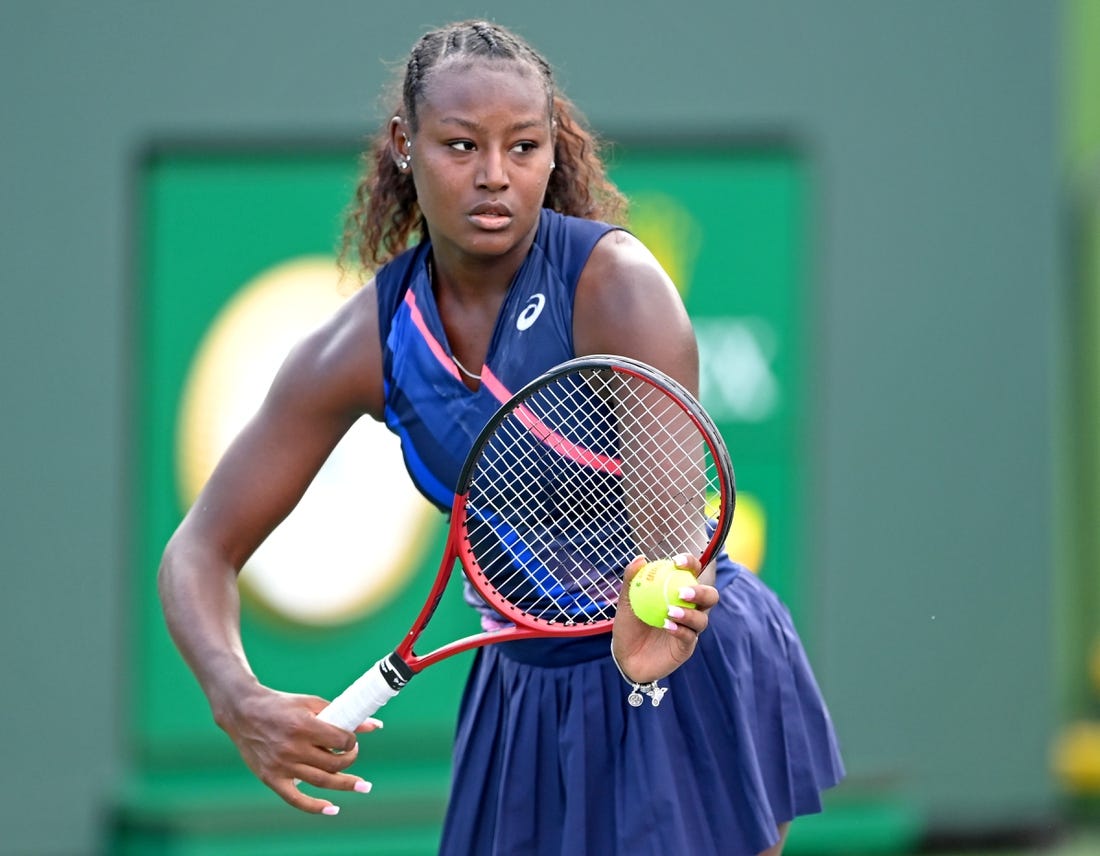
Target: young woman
[[487, 171]]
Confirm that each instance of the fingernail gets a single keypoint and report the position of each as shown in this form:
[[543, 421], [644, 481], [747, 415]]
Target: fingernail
[[670, 625], [363, 787], [377, 723], [675, 612], [687, 593], [681, 561], [330, 810]]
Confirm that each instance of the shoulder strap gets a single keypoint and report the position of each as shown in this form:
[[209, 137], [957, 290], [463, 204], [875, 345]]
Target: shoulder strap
[[569, 241], [391, 282]]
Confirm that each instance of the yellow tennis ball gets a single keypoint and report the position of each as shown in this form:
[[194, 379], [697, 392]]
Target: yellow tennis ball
[[656, 587]]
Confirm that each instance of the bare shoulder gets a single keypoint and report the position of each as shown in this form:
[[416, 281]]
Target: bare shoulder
[[627, 304], [620, 253]]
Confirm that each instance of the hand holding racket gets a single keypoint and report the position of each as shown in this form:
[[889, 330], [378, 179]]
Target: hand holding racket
[[596, 462]]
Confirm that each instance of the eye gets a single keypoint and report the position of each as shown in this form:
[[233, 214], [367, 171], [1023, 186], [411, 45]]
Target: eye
[[525, 147], [462, 145]]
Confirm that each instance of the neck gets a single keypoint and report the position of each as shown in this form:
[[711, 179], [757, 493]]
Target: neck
[[469, 279], [470, 289]]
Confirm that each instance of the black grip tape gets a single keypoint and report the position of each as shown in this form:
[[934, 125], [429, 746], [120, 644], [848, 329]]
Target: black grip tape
[[395, 671]]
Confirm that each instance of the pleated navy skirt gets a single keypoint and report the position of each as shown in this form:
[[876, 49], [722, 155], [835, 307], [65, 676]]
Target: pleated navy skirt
[[551, 760]]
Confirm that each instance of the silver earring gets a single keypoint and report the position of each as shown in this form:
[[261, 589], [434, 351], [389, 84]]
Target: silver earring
[[403, 163], [552, 164]]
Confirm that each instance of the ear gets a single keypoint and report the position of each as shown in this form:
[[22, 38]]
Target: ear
[[400, 143]]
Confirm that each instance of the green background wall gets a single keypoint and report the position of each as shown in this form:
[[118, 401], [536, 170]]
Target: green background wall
[[938, 284], [1079, 597]]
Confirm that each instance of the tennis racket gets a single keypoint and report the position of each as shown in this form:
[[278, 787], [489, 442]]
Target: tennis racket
[[597, 461]]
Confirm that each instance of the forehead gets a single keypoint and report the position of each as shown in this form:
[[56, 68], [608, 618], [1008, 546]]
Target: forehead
[[474, 89]]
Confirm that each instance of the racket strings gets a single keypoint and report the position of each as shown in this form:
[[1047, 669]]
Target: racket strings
[[589, 471]]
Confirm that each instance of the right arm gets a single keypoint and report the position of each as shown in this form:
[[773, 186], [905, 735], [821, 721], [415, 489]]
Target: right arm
[[327, 382]]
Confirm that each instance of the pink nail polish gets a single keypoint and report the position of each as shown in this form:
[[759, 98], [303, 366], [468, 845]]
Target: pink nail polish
[[675, 612], [670, 625], [681, 561], [330, 810], [363, 787], [687, 594]]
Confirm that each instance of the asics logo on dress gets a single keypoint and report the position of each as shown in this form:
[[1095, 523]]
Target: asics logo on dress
[[531, 311]]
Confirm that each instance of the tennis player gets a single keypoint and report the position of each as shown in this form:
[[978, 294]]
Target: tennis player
[[488, 173]]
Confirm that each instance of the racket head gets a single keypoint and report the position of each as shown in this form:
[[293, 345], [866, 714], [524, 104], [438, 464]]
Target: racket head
[[593, 463]]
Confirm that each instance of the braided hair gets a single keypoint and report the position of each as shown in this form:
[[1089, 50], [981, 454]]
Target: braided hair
[[384, 215]]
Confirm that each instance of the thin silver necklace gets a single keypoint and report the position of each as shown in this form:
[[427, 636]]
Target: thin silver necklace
[[454, 359], [465, 370]]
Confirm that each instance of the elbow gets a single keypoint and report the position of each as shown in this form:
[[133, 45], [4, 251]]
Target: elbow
[[167, 570], [180, 553]]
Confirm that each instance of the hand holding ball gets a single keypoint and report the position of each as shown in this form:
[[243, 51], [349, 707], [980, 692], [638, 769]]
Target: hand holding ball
[[656, 587]]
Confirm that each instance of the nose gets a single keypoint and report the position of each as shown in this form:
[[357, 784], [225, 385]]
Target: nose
[[493, 174]]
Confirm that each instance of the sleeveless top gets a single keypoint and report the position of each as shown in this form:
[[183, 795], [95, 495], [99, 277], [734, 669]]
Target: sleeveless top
[[435, 415]]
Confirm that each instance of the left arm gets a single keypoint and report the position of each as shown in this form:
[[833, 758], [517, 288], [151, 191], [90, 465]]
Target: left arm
[[627, 305]]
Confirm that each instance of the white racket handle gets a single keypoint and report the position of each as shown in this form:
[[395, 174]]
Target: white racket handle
[[374, 688]]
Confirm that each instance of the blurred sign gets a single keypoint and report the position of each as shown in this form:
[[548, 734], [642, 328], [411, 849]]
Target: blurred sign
[[357, 534]]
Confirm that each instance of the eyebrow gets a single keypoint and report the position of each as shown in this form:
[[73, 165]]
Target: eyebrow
[[476, 126]]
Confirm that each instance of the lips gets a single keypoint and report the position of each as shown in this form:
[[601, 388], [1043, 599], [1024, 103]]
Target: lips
[[493, 209], [491, 215]]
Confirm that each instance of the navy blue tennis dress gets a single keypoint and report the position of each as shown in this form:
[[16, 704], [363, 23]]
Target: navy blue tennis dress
[[549, 757]]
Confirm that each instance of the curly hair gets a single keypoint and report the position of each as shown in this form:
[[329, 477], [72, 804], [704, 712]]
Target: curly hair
[[384, 215]]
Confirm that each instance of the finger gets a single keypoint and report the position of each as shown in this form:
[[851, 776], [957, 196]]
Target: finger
[[325, 734], [688, 562], [329, 760], [680, 620], [368, 725], [624, 606], [636, 564], [288, 790], [325, 769], [332, 781], [703, 596], [335, 733]]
